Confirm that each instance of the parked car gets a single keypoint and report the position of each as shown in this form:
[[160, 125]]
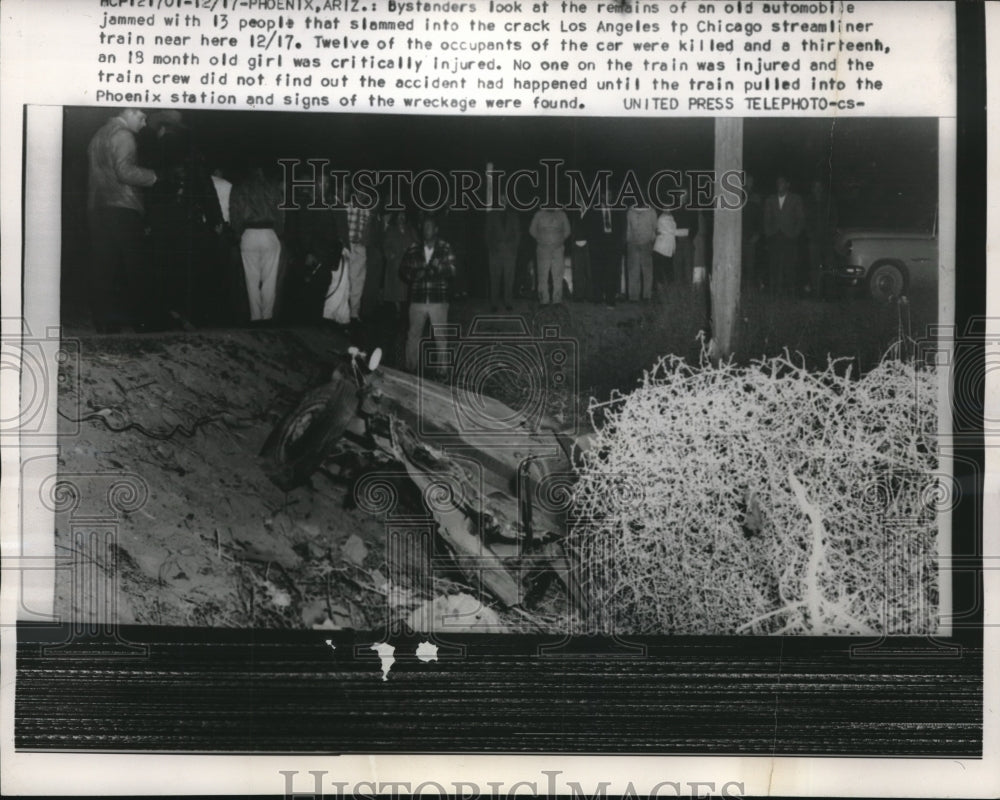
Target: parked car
[[886, 263]]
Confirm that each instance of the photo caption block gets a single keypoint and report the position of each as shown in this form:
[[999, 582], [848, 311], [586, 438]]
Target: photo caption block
[[518, 57]]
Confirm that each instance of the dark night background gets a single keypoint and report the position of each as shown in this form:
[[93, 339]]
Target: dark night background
[[883, 171]]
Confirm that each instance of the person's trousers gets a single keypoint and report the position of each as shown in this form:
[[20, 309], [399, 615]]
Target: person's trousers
[[639, 260], [261, 252], [357, 269], [684, 261], [605, 261], [371, 294], [663, 270], [420, 313], [238, 299], [583, 288], [502, 263], [815, 276], [196, 295], [119, 279], [550, 263], [783, 254]]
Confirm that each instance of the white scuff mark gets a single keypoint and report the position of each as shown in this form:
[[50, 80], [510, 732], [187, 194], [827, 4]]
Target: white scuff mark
[[373, 766], [355, 550], [385, 652], [454, 613], [427, 652], [279, 597]]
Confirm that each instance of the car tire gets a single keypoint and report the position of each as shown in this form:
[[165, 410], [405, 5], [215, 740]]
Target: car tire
[[306, 435], [886, 282]]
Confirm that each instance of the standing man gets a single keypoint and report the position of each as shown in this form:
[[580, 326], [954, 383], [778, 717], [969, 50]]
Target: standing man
[[640, 233], [663, 252], [686, 219], [357, 228], [820, 227], [322, 240], [399, 237], [429, 268], [605, 230], [223, 189], [503, 235], [372, 294], [753, 225], [783, 223], [583, 284], [184, 222], [228, 254], [550, 229], [453, 227], [114, 211]]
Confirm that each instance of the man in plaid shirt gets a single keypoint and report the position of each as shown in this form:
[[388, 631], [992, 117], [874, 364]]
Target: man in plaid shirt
[[429, 268], [357, 228]]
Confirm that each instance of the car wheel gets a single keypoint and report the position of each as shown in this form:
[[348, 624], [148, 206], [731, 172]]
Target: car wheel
[[306, 435], [886, 282]]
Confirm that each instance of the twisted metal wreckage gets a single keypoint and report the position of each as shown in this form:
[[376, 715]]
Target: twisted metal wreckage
[[498, 496]]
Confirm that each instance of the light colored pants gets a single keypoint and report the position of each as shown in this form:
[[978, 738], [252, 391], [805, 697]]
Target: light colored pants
[[261, 252], [357, 268], [437, 313], [550, 261], [639, 258]]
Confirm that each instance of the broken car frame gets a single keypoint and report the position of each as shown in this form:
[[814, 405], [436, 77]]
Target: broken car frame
[[507, 495]]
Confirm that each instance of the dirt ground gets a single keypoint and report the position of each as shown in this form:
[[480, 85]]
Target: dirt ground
[[215, 543]]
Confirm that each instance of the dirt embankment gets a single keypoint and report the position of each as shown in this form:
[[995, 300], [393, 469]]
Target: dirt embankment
[[203, 537]]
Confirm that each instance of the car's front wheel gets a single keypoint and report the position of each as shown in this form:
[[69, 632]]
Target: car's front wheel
[[886, 282], [306, 434]]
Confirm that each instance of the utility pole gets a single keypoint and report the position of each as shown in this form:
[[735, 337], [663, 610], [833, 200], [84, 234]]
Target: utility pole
[[727, 242]]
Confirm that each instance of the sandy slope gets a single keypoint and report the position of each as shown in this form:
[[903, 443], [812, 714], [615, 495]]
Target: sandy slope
[[203, 537]]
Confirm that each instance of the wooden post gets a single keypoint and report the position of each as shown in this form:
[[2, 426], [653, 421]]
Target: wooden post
[[727, 242]]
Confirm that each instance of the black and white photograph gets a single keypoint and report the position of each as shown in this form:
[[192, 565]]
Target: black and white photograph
[[367, 434], [537, 428]]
